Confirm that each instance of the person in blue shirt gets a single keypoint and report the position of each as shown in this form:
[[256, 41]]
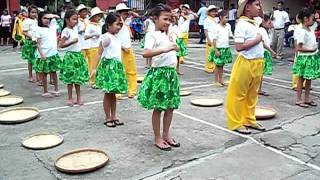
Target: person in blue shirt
[[202, 13]]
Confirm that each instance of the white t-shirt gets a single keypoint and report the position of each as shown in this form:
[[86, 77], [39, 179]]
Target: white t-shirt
[[210, 25], [158, 39], [5, 20], [185, 23], [113, 50], [151, 26], [30, 26], [174, 29], [246, 31], [71, 34], [125, 36], [308, 39], [81, 29], [280, 19], [93, 28], [265, 36], [48, 41], [314, 26], [202, 13], [232, 14], [222, 36]]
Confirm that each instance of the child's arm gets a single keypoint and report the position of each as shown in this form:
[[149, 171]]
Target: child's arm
[[43, 57], [64, 44], [249, 44], [300, 48], [149, 53], [207, 36], [90, 34], [274, 54]]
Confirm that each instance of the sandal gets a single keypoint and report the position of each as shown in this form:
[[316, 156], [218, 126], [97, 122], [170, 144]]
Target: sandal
[[46, 95], [163, 148], [40, 84], [263, 93], [117, 122], [80, 103], [31, 80], [257, 127], [70, 103], [56, 93], [301, 104], [172, 143], [311, 103], [110, 124], [243, 130]]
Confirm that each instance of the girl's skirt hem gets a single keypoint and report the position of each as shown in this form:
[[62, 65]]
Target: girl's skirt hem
[[28, 51], [267, 63], [182, 48], [307, 66], [224, 58], [50, 64]]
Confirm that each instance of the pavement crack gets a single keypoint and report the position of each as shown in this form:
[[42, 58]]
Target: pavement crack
[[299, 118], [45, 166], [295, 174]]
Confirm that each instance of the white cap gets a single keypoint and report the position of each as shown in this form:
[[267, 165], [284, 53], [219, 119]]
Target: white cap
[[80, 7], [211, 7], [122, 6], [95, 11], [67, 1], [186, 6]]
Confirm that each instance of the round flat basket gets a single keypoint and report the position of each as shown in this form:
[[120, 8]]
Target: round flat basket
[[264, 113], [4, 93], [10, 100], [206, 102], [1, 86], [80, 161], [42, 141], [18, 115], [140, 79], [185, 93]]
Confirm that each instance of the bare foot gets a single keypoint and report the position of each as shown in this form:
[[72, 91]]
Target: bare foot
[[70, 102]]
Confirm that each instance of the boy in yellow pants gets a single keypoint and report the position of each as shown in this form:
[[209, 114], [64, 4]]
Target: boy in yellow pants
[[128, 58], [242, 95]]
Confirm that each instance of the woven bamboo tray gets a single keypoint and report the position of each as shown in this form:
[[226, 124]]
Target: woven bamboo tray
[[10, 100], [1, 86], [4, 92], [18, 115], [41, 141], [185, 93], [81, 161], [264, 113], [206, 102]]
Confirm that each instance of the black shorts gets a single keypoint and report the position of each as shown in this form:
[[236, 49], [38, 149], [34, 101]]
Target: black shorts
[[5, 32]]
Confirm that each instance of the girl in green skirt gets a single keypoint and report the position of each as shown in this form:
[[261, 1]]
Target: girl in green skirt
[[160, 89], [29, 27], [110, 75], [307, 65], [47, 57], [265, 26], [74, 68], [221, 53]]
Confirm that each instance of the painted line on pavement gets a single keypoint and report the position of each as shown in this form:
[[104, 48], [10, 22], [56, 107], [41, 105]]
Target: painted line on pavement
[[10, 70], [65, 107]]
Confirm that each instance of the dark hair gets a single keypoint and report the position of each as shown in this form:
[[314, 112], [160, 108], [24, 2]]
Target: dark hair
[[305, 12], [67, 16], [110, 19], [281, 2], [40, 16], [30, 9], [222, 14], [156, 11], [266, 17]]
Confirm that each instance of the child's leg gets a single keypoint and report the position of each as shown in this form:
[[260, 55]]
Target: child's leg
[[167, 119], [51, 79], [70, 100], [107, 106], [55, 81], [30, 72], [113, 106], [77, 87], [43, 77], [220, 75], [159, 142], [307, 93], [216, 74], [178, 66], [299, 92]]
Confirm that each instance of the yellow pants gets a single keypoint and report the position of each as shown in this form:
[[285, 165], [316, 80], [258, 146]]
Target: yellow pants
[[242, 95], [92, 55], [209, 66], [130, 67], [185, 39], [295, 79], [85, 53]]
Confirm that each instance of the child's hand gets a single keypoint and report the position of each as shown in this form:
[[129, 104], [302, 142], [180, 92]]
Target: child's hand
[[177, 48], [125, 49], [171, 47], [217, 53], [209, 43], [43, 58], [274, 55]]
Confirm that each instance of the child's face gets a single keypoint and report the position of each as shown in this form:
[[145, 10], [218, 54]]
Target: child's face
[[185, 10], [163, 21], [268, 24], [73, 21], [224, 20], [124, 14], [213, 13], [83, 13], [310, 20], [115, 27], [253, 9], [96, 18], [46, 20], [33, 13]]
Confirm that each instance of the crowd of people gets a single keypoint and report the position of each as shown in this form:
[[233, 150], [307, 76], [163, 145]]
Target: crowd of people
[[98, 50]]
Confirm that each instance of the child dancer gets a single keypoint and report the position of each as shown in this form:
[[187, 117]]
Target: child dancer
[[110, 75], [83, 23], [268, 52], [210, 26], [307, 62], [128, 58], [221, 53], [74, 68], [242, 95], [47, 57], [29, 48], [92, 34], [149, 27], [160, 89]]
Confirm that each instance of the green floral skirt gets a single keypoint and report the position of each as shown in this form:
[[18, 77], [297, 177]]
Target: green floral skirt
[[182, 48], [111, 77], [28, 51], [224, 58], [74, 69], [50, 64], [160, 89], [307, 66], [267, 63]]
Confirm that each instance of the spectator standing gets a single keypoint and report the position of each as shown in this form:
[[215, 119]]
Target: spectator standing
[[232, 17], [202, 13], [5, 32], [280, 21]]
